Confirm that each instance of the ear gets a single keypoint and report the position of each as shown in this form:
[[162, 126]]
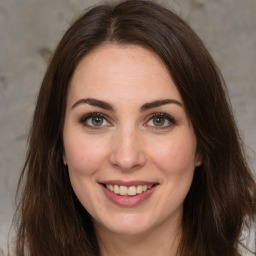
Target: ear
[[198, 159], [64, 158]]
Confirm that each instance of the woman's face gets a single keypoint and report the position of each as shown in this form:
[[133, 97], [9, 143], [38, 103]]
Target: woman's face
[[129, 146]]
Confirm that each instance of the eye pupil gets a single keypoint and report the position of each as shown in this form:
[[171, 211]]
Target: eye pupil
[[97, 121], [158, 121]]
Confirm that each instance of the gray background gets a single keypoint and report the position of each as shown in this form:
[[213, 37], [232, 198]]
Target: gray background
[[30, 29]]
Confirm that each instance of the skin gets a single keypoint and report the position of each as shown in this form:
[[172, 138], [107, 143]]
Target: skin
[[129, 146]]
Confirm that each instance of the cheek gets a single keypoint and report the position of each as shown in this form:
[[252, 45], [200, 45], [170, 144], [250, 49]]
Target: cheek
[[84, 156], [176, 156]]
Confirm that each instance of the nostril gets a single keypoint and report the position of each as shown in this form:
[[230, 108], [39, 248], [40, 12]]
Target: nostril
[[126, 160]]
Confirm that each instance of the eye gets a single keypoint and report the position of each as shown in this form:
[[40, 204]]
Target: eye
[[94, 120], [161, 120]]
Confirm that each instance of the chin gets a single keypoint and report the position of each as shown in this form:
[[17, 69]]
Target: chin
[[128, 224]]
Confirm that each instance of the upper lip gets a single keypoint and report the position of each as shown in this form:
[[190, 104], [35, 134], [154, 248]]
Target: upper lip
[[127, 183]]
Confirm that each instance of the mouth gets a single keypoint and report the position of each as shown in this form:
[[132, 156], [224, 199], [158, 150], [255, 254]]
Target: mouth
[[128, 194], [128, 191]]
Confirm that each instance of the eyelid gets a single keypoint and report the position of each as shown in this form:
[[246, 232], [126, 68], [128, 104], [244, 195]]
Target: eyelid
[[87, 116], [168, 117], [164, 115]]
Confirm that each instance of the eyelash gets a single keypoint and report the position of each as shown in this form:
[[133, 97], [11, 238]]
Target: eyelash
[[162, 115], [84, 119]]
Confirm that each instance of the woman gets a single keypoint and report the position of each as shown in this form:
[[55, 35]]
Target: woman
[[133, 148]]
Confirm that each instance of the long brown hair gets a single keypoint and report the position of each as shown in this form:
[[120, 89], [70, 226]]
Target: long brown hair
[[50, 219]]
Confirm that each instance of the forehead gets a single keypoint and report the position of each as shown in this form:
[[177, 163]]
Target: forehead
[[124, 71]]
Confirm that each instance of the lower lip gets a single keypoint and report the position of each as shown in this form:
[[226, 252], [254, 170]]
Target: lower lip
[[128, 201]]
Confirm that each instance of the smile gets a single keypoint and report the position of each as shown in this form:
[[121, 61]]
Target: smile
[[128, 191], [128, 194]]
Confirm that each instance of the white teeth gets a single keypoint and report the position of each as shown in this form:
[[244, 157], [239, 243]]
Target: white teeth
[[110, 187], [132, 191], [128, 191], [123, 190], [139, 189], [116, 189]]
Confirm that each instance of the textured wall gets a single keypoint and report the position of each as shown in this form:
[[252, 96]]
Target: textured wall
[[30, 29]]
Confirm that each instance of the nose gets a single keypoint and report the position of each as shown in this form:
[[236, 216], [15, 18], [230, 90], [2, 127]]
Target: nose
[[127, 153]]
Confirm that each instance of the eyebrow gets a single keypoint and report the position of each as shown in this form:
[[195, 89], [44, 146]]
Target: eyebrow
[[104, 105], [94, 102], [159, 103]]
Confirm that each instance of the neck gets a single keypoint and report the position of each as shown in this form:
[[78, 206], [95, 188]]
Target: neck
[[157, 242]]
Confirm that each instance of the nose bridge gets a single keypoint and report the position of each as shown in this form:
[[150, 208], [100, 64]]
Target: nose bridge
[[127, 151]]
